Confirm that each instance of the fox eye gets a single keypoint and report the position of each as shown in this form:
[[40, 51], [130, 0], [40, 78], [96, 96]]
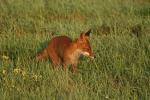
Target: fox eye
[[86, 48]]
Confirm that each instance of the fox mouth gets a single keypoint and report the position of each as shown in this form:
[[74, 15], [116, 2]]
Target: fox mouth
[[92, 57], [88, 55]]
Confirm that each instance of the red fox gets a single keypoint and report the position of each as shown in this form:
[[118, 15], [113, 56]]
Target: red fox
[[62, 50]]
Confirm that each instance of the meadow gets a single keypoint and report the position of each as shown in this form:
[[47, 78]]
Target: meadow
[[120, 39]]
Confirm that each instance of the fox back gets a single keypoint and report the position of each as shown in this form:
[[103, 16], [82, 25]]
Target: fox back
[[55, 45]]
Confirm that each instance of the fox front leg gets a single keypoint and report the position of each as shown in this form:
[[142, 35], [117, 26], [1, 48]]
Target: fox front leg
[[74, 68], [64, 67]]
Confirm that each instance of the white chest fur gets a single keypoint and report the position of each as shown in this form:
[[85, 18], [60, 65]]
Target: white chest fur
[[75, 56]]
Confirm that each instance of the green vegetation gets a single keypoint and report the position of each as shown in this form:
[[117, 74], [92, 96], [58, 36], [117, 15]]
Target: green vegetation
[[121, 70]]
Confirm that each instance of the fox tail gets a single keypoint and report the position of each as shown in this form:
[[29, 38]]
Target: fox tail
[[42, 55]]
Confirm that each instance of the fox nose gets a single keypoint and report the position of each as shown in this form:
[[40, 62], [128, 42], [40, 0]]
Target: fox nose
[[93, 57]]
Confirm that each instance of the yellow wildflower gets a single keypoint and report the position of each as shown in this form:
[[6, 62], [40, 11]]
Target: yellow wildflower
[[23, 73], [12, 86], [18, 89], [5, 57], [40, 76], [17, 70], [4, 72], [35, 77]]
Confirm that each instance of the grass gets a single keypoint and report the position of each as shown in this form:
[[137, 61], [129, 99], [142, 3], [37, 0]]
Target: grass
[[121, 70]]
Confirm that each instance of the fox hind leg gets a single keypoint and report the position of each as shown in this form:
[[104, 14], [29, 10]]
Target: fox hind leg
[[74, 68], [54, 58], [42, 55]]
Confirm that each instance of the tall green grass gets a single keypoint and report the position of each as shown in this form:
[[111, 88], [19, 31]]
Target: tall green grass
[[121, 70]]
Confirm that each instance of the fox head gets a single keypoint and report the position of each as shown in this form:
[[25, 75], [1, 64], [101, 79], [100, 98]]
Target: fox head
[[83, 44]]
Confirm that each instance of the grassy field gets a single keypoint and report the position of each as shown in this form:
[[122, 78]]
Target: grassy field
[[120, 39]]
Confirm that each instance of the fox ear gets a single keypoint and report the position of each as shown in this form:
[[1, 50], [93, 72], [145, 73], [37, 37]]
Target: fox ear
[[85, 35], [88, 33], [82, 35]]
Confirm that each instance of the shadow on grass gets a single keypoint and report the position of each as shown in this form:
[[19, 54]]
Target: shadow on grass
[[145, 11]]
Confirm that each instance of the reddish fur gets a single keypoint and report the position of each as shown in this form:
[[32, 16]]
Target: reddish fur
[[62, 50]]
